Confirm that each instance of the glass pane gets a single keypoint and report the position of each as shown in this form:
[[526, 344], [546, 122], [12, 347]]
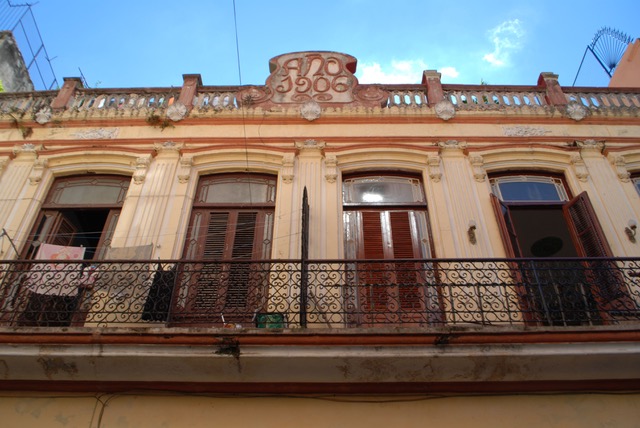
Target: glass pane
[[529, 189], [382, 190], [89, 191], [237, 190], [636, 183]]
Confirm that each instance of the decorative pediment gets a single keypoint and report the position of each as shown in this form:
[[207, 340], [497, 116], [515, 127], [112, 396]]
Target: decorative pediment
[[310, 79]]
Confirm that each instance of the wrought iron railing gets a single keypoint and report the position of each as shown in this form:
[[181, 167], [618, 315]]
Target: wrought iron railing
[[339, 293]]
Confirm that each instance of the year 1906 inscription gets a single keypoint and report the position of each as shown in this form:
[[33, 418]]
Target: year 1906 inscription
[[319, 76]]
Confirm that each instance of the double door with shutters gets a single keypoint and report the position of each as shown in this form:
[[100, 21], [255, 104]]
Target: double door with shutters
[[225, 277], [387, 233]]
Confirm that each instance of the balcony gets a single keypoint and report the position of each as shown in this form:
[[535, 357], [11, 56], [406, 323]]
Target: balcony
[[427, 295]]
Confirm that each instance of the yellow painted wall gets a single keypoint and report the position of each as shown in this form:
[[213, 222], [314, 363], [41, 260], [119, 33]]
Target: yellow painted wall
[[182, 410]]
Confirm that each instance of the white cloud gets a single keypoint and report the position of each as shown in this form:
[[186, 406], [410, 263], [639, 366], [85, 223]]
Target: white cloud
[[449, 72], [405, 71], [506, 39]]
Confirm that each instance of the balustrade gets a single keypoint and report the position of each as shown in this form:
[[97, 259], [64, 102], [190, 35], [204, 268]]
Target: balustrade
[[473, 97], [602, 100]]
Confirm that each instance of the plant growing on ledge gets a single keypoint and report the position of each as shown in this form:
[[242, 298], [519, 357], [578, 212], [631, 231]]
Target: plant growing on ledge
[[158, 121], [26, 131]]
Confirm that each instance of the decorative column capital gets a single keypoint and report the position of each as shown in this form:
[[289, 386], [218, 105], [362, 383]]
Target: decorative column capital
[[590, 146], [26, 151], [310, 146], [168, 147], [452, 145]]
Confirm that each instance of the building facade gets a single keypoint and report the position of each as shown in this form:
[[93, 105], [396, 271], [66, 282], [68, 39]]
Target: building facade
[[314, 246]]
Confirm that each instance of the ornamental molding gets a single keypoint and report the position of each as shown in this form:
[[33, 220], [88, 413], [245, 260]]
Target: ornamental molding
[[435, 170], [288, 162], [252, 95], [371, 96], [576, 111], [97, 134], [184, 169], [310, 110], [477, 164], [445, 110], [37, 172], [177, 111], [579, 167], [43, 115], [620, 165], [142, 167], [524, 131], [331, 168]]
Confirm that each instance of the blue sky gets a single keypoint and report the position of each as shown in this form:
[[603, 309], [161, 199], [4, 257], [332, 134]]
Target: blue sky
[[120, 43]]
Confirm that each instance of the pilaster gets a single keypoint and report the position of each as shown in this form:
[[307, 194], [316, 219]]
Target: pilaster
[[460, 178], [610, 202], [149, 197]]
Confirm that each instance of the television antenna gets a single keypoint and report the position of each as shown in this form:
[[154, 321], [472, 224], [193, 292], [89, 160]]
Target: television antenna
[[607, 46]]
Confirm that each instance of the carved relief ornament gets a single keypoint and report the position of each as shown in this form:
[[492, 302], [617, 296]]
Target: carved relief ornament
[[142, 166], [435, 172], [37, 172], [288, 162], [184, 169], [445, 110], [177, 111], [477, 164], [579, 167], [96, 134], [331, 170], [620, 165], [304, 76], [576, 111]]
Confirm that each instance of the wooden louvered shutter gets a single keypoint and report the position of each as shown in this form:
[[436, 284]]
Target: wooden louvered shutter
[[210, 278], [62, 232], [239, 282], [404, 247], [585, 228], [590, 241], [373, 274], [507, 229], [216, 236]]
